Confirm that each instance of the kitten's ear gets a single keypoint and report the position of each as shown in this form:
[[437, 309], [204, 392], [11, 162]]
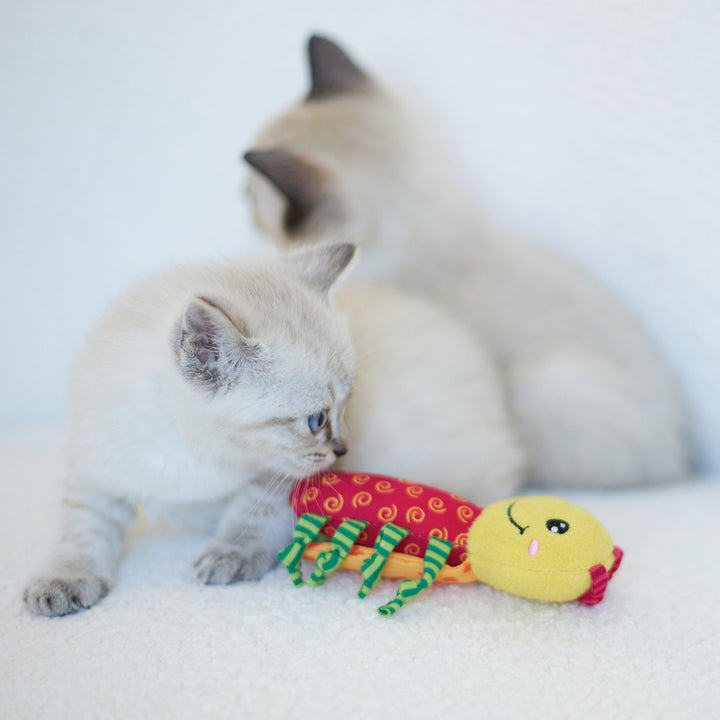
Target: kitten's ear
[[332, 72], [301, 183], [210, 347], [322, 266]]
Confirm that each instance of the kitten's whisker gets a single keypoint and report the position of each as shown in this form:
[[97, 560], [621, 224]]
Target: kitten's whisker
[[269, 496]]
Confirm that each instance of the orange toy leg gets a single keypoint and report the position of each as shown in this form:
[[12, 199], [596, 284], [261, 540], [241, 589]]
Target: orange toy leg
[[398, 565]]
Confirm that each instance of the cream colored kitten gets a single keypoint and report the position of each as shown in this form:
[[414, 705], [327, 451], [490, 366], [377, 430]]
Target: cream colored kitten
[[592, 398], [206, 388], [428, 403]]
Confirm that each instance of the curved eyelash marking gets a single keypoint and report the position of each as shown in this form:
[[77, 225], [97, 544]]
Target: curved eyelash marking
[[509, 514]]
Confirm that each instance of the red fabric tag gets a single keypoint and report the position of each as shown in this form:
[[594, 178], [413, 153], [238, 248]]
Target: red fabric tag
[[600, 579]]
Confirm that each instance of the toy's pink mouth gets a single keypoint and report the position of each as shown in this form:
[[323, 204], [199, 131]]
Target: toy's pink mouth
[[533, 549]]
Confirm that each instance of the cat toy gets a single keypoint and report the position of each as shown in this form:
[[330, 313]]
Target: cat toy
[[536, 547]]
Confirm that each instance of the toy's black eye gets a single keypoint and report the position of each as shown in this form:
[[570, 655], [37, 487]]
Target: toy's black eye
[[557, 526], [318, 421]]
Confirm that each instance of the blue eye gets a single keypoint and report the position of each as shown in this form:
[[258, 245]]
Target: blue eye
[[318, 421]]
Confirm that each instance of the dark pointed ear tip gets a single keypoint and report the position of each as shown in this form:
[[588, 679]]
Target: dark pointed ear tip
[[251, 157], [259, 158], [349, 249], [345, 253], [316, 40], [321, 48], [332, 70]]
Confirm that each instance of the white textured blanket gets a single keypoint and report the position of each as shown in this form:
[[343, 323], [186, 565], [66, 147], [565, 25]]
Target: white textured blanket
[[162, 646]]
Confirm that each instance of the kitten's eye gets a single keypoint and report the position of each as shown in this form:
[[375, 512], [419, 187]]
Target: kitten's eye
[[557, 526], [318, 421]]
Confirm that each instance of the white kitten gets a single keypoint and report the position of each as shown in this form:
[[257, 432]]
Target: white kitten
[[590, 395], [204, 391], [209, 385]]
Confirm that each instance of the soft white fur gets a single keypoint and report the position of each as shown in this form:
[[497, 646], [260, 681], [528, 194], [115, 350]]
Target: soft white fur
[[141, 432], [591, 396], [427, 403]]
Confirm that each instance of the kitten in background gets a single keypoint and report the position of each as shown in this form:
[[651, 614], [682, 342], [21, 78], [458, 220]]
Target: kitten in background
[[427, 403], [591, 397]]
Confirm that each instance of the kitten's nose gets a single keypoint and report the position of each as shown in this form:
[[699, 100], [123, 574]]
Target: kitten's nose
[[338, 447]]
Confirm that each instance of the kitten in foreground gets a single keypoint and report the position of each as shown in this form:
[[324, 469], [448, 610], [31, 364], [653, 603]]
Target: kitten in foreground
[[206, 390], [210, 385], [589, 394]]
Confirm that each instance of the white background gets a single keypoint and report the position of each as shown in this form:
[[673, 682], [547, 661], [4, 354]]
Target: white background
[[591, 126]]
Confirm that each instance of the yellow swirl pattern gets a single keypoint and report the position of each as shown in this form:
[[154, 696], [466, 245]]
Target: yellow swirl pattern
[[461, 540], [362, 538], [384, 487], [361, 499], [310, 495], [415, 514], [387, 514], [334, 504], [412, 549], [361, 479], [436, 505], [414, 491], [330, 479], [465, 513], [441, 533]]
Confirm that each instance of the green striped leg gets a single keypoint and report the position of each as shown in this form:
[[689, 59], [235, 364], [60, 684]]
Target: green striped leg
[[342, 542], [435, 557], [390, 535], [306, 531]]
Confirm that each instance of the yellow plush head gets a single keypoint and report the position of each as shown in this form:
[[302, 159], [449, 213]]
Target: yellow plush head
[[542, 548]]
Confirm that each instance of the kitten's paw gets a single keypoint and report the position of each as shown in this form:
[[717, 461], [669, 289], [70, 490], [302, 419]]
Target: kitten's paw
[[222, 564], [64, 596]]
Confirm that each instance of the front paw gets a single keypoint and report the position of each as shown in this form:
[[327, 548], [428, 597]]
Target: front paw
[[64, 596], [222, 564]]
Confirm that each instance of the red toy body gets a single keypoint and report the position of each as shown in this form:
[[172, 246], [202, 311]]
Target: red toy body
[[378, 500]]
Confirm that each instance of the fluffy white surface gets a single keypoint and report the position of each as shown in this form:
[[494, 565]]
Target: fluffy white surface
[[161, 646]]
